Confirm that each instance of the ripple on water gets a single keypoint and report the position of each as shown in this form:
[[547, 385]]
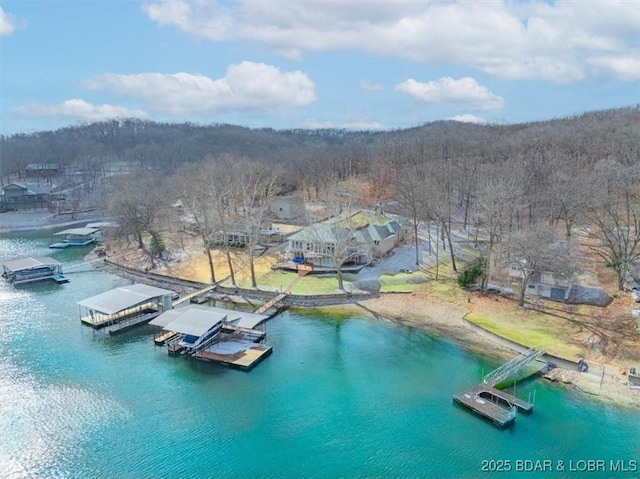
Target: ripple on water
[[44, 426]]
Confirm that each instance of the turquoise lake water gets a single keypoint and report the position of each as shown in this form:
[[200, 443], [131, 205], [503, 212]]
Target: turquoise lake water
[[351, 398]]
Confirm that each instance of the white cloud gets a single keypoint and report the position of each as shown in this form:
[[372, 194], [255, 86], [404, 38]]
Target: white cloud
[[448, 91], [468, 118], [624, 68], [78, 109], [360, 124], [369, 86], [8, 23], [513, 40], [246, 86]]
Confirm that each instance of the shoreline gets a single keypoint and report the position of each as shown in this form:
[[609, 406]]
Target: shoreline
[[25, 221], [604, 383]]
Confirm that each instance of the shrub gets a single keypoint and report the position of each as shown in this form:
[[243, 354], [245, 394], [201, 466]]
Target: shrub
[[471, 274]]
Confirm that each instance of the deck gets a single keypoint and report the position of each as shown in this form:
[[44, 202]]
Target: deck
[[499, 415], [494, 404], [222, 353], [253, 335], [164, 338], [67, 244], [102, 320]]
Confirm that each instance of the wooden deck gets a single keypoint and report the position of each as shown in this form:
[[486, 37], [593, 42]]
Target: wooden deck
[[254, 335], [499, 415], [270, 303], [246, 359], [162, 339]]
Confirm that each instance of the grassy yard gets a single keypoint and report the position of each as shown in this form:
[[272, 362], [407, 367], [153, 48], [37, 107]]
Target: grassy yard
[[531, 329]]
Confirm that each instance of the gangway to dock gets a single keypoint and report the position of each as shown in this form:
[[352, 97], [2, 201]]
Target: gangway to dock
[[512, 367], [496, 405], [188, 297]]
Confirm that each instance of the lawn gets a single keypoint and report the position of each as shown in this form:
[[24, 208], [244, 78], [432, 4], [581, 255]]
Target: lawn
[[535, 330], [401, 282]]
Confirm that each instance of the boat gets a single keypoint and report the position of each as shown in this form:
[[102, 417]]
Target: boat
[[634, 378]]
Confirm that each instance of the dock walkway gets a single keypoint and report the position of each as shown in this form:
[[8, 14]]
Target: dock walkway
[[498, 406]]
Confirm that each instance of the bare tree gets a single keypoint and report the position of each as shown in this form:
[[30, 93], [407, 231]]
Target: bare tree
[[258, 186], [194, 187], [534, 250], [613, 215], [139, 207]]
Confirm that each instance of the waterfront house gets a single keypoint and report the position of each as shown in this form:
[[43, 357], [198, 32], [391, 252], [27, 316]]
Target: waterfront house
[[37, 268], [22, 196], [356, 239], [124, 307], [321, 244]]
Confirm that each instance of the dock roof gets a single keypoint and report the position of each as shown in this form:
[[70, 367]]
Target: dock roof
[[124, 297], [192, 320], [77, 231], [29, 263]]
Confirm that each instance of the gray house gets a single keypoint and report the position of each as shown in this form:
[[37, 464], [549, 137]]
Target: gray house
[[549, 285], [318, 246], [288, 207], [22, 196]]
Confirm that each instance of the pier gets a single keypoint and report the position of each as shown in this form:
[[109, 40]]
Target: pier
[[493, 404], [32, 269], [227, 337]]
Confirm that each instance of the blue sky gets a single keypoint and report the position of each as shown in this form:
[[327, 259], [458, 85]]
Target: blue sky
[[310, 64]]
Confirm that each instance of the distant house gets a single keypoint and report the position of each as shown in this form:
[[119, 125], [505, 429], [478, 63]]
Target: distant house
[[549, 285], [288, 207], [22, 196], [42, 170]]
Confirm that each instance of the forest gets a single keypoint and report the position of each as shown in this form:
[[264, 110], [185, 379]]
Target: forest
[[527, 187]]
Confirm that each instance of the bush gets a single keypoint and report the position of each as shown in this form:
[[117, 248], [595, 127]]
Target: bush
[[471, 274], [157, 244]]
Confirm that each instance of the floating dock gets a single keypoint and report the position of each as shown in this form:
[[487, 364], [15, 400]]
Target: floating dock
[[125, 307], [235, 353], [76, 237], [32, 269], [496, 405]]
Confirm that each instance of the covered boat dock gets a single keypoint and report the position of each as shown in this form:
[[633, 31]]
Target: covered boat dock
[[125, 307], [33, 268], [213, 334], [76, 237]]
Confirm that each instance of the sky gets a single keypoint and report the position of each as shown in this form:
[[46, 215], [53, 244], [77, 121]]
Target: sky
[[356, 64]]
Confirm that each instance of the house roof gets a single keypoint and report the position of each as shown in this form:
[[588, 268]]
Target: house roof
[[323, 233], [125, 297], [34, 190], [29, 263], [192, 320], [77, 231], [43, 166]]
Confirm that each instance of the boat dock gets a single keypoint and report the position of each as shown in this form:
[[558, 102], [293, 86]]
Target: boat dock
[[76, 237], [32, 269], [496, 405], [235, 353], [125, 307]]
